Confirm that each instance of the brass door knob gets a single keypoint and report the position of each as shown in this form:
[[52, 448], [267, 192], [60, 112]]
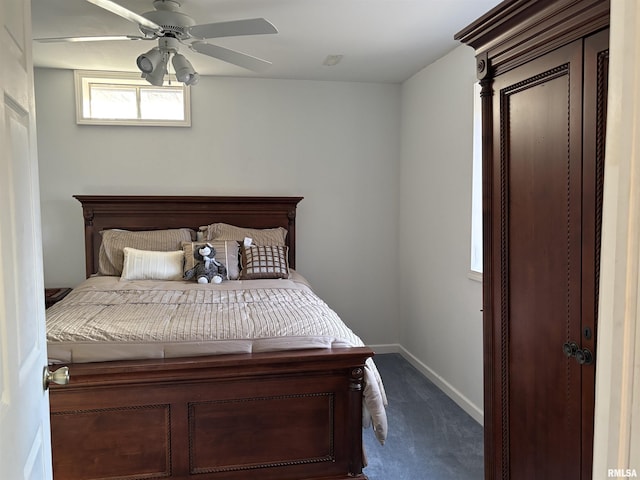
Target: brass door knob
[[59, 376]]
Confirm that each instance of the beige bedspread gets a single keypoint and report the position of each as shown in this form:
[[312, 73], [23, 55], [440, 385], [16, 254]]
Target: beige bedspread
[[106, 318]]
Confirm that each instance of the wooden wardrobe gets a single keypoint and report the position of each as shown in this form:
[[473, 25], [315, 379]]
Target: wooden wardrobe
[[543, 69]]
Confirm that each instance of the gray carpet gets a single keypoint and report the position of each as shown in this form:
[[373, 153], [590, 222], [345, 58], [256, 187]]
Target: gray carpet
[[430, 437]]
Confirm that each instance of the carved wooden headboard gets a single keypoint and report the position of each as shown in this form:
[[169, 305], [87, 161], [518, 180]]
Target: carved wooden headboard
[[133, 212]]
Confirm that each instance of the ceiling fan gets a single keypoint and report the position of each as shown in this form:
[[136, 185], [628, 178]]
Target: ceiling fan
[[171, 28]]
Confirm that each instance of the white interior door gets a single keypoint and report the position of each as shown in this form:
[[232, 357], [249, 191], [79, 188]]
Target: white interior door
[[25, 451]]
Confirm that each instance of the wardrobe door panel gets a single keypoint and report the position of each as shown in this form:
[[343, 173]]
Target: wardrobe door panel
[[536, 291], [596, 72]]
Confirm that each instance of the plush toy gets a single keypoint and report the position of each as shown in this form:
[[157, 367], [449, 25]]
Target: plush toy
[[207, 268]]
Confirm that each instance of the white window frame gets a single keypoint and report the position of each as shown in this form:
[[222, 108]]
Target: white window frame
[[475, 271], [85, 78]]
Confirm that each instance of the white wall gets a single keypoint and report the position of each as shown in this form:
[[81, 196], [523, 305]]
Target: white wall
[[383, 231], [441, 327], [335, 143]]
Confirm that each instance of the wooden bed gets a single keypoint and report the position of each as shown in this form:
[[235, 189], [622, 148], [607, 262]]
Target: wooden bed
[[280, 415]]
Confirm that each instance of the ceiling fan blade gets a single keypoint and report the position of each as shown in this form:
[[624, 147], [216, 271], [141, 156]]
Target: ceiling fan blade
[[252, 26], [127, 14], [231, 56], [90, 39]]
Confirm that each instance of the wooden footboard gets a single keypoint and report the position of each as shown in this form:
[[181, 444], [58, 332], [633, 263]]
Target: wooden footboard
[[269, 416]]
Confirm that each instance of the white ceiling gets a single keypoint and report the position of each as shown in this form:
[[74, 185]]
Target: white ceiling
[[381, 40]]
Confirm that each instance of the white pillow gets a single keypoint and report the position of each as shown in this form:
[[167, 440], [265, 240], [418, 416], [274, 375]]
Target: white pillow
[[151, 265]]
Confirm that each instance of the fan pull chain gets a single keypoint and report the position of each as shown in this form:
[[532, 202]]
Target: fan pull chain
[[169, 66]]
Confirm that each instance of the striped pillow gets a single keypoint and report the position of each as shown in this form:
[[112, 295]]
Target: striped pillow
[[149, 265], [227, 253], [266, 261], [260, 236], [111, 254]]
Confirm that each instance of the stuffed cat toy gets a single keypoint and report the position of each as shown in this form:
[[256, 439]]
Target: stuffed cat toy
[[207, 268]]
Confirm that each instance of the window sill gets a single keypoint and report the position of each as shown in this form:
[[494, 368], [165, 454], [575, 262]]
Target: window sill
[[475, 276]]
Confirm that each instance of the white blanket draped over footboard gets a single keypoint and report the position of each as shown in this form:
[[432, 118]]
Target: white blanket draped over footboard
[[106, 319]]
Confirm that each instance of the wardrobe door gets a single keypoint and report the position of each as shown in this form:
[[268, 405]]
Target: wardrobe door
[[596, 72], [536, 260]]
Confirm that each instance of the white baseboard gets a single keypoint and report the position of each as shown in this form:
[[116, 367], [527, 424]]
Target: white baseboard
[[387, 348], [463, 402]]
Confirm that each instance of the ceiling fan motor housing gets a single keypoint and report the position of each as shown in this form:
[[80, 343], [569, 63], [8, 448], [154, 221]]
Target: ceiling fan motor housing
[[173, 22]]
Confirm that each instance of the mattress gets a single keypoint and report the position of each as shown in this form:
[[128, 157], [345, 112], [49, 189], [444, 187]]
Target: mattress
[[105, 319]]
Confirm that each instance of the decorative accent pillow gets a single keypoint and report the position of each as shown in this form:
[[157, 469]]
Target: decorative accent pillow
[[151, 265], [227, 253], [111, 255], [260, 236], [264, 261]]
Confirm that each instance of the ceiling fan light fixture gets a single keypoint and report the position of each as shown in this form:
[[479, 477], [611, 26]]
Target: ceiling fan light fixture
[[148, 62], [185, 72], [193, 79], [157, 76]]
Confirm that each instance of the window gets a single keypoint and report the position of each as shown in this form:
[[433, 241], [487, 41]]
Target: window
[[476, 189], [118, 98]]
